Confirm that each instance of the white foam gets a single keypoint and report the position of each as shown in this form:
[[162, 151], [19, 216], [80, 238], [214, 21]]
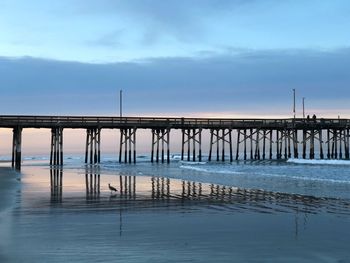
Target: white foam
[[192, 163], [206, 170], [314, 161]]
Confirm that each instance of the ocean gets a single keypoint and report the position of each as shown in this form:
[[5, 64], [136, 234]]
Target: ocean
[[245, 211]]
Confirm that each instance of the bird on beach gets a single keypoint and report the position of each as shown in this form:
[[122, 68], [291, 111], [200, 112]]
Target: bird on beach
[[112, 188]]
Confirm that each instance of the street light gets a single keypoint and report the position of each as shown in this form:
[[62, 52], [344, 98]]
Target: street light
[[121, 103], [304, 107], [294, 102]]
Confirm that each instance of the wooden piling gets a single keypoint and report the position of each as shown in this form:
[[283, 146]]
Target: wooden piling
[[162, 135], [312, 144], [347, 144], [188, 145], [134, 142], [270, 154], [321, 143], [130, 143], [223, 145], [230, 142], [304, 144], [256, 144], [264, 145], [340, 144], [328, 145], [245, 144], [183, 145], [157, 151], [200, 144], [295, 143], [152, 151], [289, 145], [17, 148], [238, 142], [335, 139], [210, 145], [217, 146], [278, 145], [194, 144], [251, 144]]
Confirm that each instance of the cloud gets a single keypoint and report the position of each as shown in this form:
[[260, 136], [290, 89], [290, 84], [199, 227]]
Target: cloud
[[251, 81], [183, 20], [112, 39]]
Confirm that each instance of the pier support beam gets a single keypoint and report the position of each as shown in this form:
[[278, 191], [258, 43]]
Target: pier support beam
[[346, 132], [17, 148], [220, 138], [191, 138], [56, 153], [295, 143], [160, 139], [321, 144], [92, 148], [128, 142]]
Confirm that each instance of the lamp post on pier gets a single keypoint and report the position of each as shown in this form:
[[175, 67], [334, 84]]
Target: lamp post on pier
[[294, 103], [121, 103]]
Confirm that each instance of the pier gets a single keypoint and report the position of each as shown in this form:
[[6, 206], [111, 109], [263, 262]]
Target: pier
[[229, 139]]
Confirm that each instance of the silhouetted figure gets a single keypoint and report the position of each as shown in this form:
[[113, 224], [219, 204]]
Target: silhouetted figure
[[314, 118], [112, 188], [308, 118]]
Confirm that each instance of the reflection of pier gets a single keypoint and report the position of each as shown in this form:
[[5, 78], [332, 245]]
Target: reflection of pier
[[92, 183], [56, 184], [141, 193], [127, 186], [160, 187]]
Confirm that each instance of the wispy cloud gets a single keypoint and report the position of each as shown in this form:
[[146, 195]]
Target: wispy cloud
[[111, 39]]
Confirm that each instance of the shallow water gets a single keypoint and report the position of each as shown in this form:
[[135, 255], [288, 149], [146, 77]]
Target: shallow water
[[173, 216]]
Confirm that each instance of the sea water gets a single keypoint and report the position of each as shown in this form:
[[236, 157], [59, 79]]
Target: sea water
[[245, 211]]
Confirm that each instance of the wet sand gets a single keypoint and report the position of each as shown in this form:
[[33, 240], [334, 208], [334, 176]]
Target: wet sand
[[67, 215], [9, 183], [9, 186]]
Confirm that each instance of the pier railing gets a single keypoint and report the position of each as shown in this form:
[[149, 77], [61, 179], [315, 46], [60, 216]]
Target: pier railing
[[162, 122]]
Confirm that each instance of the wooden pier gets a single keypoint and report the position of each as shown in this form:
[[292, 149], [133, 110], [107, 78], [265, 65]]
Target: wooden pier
[[229, 139]]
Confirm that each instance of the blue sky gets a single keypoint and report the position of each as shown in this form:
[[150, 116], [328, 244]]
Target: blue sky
[[174, 57]]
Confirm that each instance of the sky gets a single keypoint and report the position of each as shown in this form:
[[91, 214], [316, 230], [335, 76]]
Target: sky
[[205, 58], [198, 57]]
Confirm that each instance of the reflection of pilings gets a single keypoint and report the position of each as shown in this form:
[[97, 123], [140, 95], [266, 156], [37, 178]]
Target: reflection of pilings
[[191, 189], [190, 139], [160, 138], [56, 176], [127, 186], [56, 153], [128, 142], [160, 187], [92, 147], [219, 138], [17, 148], [92, 183]]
